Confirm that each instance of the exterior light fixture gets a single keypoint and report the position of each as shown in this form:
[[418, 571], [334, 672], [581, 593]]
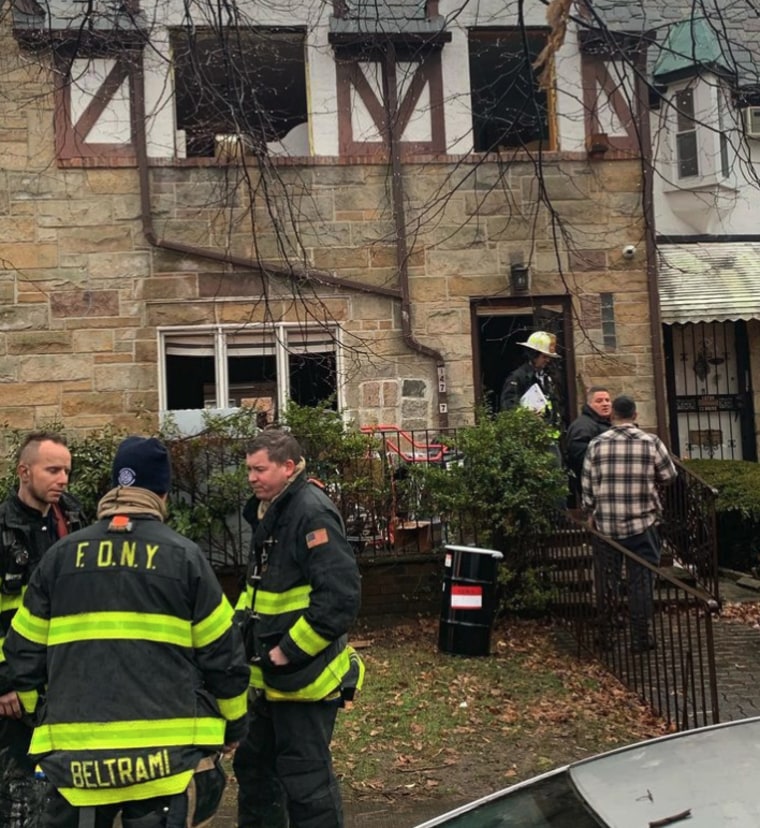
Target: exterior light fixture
[[520, 278]]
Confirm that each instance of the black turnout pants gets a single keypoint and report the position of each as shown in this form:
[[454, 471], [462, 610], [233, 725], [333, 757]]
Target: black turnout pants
[[284, 767], [159, 812], [21, 794]]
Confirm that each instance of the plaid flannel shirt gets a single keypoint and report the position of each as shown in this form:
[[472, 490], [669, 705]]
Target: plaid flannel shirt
[[620, 473]]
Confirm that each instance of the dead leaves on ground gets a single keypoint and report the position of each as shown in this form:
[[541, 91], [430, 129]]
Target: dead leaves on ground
[[429, 723], [744, 612]]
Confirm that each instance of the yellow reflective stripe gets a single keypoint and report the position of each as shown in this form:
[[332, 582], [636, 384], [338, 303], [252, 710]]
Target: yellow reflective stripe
[[244, 599], [355, 658], [2, 652], [257, 677], [274, 603], [306, 638], [12, 602], [166, 786], [90, 626], [213, 625], [28, 699], [362, 669], [235, 707], [148, 733], [321, 687], [30, 626]]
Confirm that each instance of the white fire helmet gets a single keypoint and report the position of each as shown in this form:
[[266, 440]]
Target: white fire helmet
[[543, 342]]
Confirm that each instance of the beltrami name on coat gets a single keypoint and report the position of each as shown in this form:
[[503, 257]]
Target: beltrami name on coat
[[120, 771], [107, 553]]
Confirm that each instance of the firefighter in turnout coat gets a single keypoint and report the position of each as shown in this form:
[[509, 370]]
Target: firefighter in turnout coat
[[31, 521], [302, 595], [126, 631]]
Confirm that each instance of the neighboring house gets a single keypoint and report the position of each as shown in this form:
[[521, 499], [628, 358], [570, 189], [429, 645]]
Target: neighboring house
[[705, 75], [374, 201], [708, 242]]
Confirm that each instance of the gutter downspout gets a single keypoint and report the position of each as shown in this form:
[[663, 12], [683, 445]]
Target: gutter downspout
[[402, 246], [653, 290], [306, 274]]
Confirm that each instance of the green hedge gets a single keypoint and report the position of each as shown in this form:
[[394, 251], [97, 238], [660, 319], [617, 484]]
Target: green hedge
[[737, 508]]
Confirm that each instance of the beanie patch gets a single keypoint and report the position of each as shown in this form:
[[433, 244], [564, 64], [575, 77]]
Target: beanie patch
[[126, 477], [142, 463]]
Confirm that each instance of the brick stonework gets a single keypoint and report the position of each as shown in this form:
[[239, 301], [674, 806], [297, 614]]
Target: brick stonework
[[82, 290]]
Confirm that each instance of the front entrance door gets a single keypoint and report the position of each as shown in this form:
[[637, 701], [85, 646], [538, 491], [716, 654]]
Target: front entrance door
[[499, 328], [709, 388]]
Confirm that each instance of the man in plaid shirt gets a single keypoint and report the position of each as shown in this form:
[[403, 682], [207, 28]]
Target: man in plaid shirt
[[621, 471]]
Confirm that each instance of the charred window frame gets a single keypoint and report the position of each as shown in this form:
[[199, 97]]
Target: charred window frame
[[508, 107], [258, 366], [249, 82]]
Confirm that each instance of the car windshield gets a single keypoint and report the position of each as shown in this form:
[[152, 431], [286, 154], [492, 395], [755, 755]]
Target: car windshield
[[547, 802]]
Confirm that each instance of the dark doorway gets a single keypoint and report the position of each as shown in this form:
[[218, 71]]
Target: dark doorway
[[498, 350]]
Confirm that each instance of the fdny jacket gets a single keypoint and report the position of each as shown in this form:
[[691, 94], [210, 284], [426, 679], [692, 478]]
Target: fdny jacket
[[127, 626], [302, 593], [25, 535]]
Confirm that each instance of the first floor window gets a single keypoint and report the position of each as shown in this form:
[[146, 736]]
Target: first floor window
[[260, 367]]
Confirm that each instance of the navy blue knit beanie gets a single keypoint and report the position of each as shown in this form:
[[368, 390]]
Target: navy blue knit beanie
[[142, 462]]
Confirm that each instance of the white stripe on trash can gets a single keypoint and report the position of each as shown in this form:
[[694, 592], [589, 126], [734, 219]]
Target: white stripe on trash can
[[466, 597]]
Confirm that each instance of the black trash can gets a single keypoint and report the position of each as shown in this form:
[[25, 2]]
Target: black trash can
[[469, 600]]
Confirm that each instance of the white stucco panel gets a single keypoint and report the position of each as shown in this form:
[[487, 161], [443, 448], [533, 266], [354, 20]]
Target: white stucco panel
[[420, 126], [113, 126], [362, 124]]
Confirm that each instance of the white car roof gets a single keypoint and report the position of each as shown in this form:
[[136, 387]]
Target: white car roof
[[703, 778], [711, 773]]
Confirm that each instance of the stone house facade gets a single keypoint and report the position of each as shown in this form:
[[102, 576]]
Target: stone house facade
[[390, 251]]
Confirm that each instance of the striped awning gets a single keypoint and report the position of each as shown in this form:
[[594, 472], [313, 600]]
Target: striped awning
[[709, 281]]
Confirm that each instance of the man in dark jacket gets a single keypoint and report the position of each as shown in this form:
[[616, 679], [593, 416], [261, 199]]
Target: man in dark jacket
[[594, 420], [125, 629], [31, 521], [302, 595]]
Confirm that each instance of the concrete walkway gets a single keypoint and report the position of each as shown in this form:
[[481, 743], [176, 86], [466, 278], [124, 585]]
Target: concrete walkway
[[737, 657]]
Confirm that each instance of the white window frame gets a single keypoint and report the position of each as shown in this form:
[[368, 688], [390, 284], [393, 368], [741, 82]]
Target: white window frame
[[692, 130], [283, 338]]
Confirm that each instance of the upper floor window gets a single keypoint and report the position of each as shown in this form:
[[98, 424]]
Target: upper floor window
[[686, 134], [508, 108], [260, 367], [241, 85], [724, 123]]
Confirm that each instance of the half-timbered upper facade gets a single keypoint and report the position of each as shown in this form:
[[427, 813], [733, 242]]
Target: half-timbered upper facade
[[367, 201]]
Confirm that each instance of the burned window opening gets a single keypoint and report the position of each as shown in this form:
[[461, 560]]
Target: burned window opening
[[508, 108], [234, 81], [259, 369]]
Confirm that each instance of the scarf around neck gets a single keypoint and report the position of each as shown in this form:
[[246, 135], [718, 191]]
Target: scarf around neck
[[126, 500]]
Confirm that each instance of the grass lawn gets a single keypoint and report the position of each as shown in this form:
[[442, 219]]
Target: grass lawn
[[429, 724]]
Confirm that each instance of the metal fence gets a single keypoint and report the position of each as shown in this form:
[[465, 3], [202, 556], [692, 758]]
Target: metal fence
[[689, 527], [386, 516], [649, 629]]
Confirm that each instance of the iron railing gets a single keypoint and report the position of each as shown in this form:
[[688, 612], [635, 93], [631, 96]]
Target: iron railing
[[660, 646], [384, 510], [689, 528]]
